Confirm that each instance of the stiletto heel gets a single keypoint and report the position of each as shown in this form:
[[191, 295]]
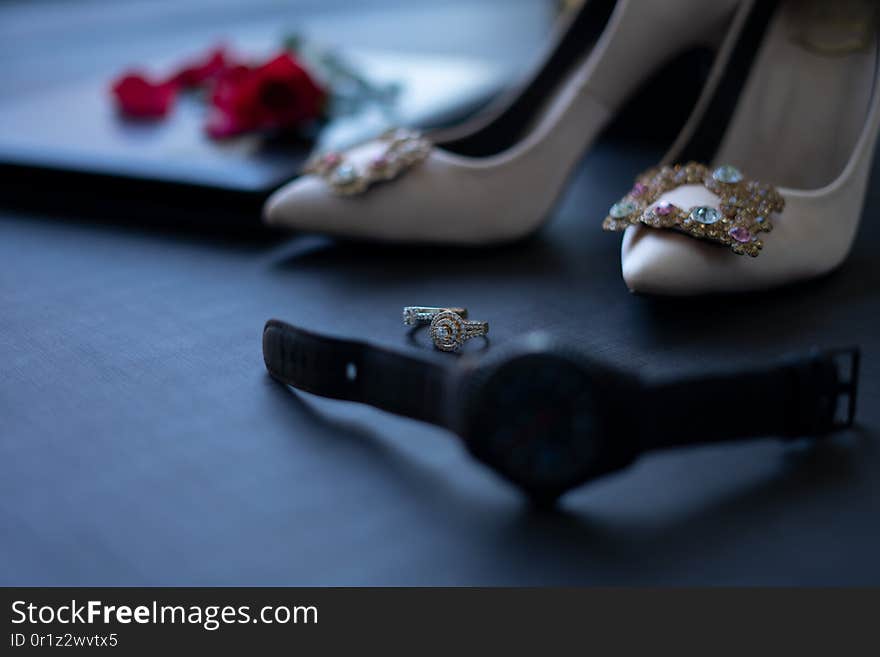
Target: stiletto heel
[[498, 181], [797, 106]]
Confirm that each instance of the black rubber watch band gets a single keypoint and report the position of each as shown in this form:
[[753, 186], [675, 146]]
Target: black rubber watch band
[[357, 371], [809, 396]]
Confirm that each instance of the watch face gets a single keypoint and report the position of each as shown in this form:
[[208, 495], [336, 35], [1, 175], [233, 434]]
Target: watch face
[[535, 421]]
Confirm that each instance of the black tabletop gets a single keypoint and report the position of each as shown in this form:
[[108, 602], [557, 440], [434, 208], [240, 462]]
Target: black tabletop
[[142, 442]]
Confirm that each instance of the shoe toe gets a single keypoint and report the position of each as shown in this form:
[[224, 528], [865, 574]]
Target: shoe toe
[[303, 204], [669, 263], [308, 203]]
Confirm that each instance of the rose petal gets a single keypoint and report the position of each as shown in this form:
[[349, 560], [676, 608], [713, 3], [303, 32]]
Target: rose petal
[[197, 73], [221, 125], [139, 97]]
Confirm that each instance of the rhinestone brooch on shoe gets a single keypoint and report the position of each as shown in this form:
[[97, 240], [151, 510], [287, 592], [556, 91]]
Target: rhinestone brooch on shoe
[[402, 150], [742, 215]]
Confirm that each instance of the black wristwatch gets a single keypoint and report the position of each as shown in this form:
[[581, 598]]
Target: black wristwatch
[[547, 417]]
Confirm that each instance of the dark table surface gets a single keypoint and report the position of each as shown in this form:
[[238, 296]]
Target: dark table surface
[[142, 442]]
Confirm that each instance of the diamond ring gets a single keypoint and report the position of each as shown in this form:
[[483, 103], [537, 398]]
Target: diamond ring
[[449, 330], [421, 315]]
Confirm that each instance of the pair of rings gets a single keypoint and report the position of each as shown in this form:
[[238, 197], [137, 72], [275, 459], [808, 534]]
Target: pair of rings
[[450, 328]]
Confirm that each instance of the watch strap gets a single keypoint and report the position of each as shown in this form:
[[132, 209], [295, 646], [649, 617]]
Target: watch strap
[[807, 396], [356, 371]]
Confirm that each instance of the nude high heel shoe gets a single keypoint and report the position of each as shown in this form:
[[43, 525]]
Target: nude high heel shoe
[[796, 106], [498, 181]]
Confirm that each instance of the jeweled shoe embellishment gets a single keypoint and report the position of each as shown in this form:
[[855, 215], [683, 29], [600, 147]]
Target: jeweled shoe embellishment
[[743, 212], [402, 150]]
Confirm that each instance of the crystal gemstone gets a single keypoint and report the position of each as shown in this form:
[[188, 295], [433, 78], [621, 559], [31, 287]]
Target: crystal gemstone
[[741, 234], [664, 208], [622, 209], [344, 174], [727, 174], [705, 215]]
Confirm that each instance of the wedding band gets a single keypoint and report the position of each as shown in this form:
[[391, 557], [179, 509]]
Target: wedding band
[[420, 315], [449, 330]]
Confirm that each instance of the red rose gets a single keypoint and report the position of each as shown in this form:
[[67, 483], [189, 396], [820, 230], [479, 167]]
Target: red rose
[[139, 97], [197, 73], [277, 94]]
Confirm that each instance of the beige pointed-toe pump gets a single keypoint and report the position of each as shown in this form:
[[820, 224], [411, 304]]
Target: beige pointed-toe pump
[[499, 179]]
